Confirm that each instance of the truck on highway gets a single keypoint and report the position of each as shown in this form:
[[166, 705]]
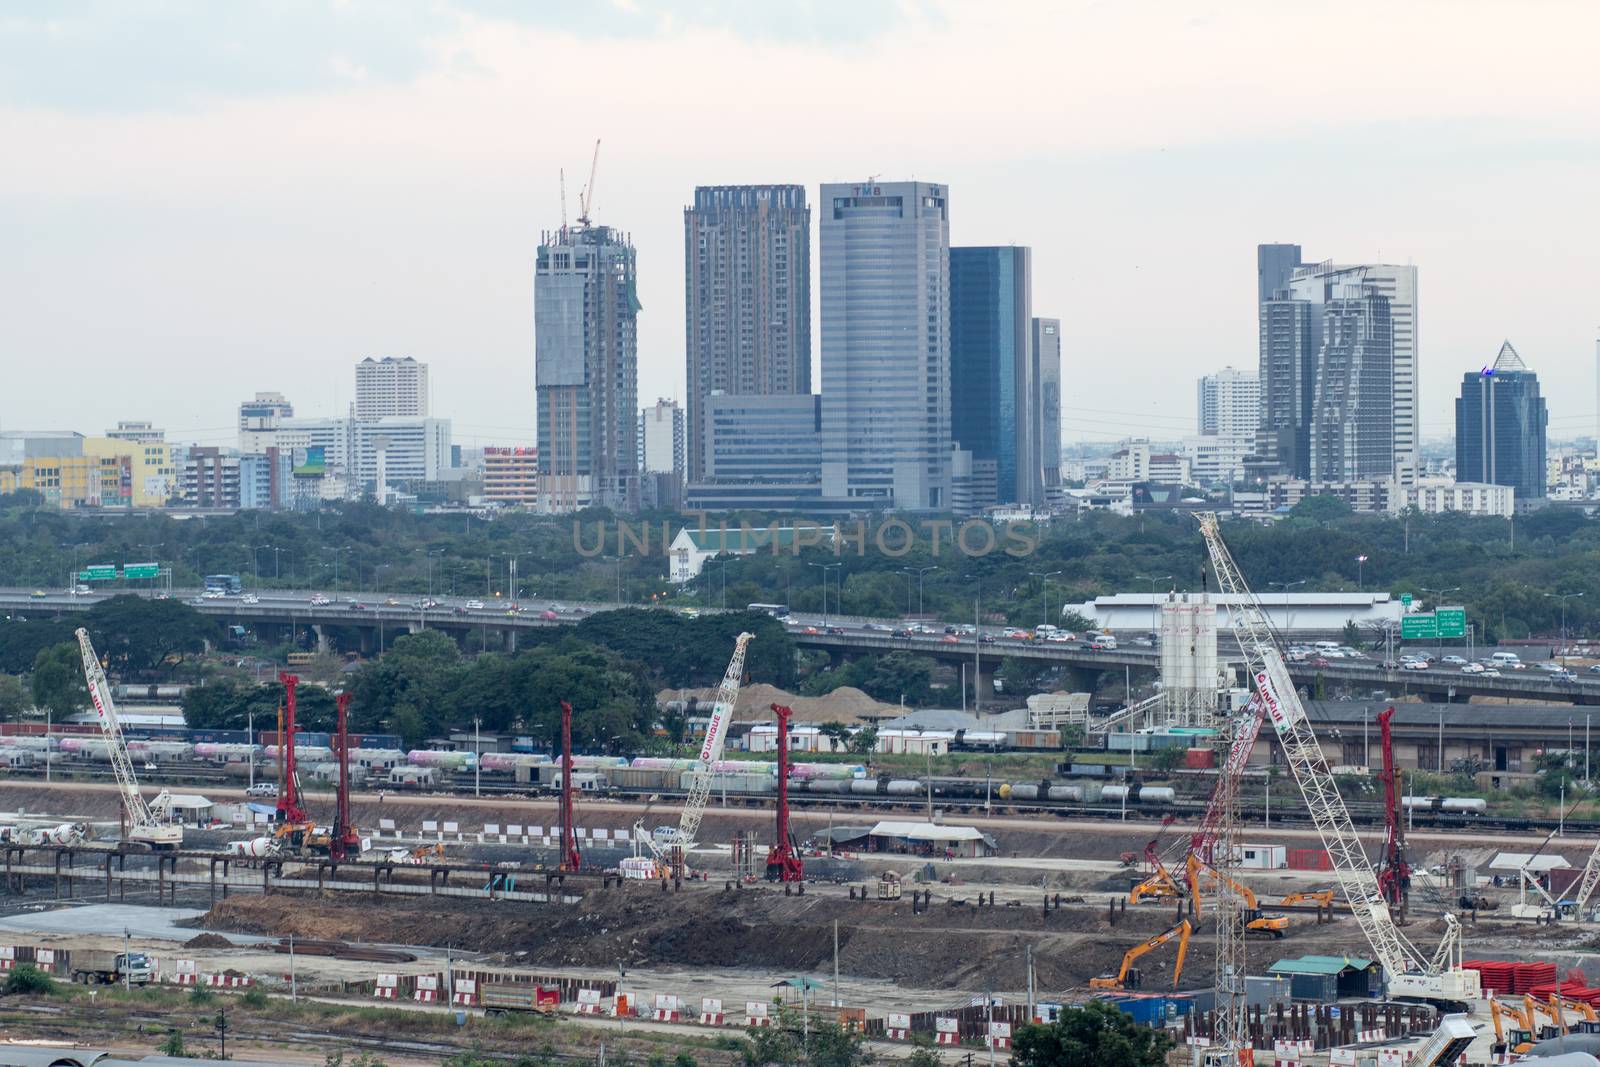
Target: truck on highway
[[97, 967], [500, 997]]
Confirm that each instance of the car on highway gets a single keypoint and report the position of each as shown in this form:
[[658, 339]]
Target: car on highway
[[209, 594], [1564, 676], [80, 590], [1143, 642], [1472, 668], [810, 630], [162, 594], [1062, 637], [1595, 669], [880, 627], [474, 605], [391, 603], [1413, 664], [902, 632], [548, 616], [1103, 643], [1490, 672], [1017, 634], [38, 594], [321, 600], [837, 631], [1454, 661], [987, 639], [249, 598], [951, 639], [356, 605]]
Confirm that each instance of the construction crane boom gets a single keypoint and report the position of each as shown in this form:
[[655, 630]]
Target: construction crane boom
[[694, 808], [586, 197], [142, 823], [1439, 978], [1588, 881], [1394, 874]]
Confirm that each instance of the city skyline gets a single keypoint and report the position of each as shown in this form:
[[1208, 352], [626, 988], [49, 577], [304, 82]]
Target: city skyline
[[449, 286]]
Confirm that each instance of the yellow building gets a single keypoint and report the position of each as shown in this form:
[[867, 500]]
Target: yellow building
[[151, 477], [63, 481]]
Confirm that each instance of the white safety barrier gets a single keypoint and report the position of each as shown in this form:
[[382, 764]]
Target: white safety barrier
[[465, 992], [898, 1026], [184, 973], [946, 1030], [589, 1002], [711, 1012], [427, 991], [229, 981], [388, 987], [755, 1013], [667, 1008], [1000, 1035]]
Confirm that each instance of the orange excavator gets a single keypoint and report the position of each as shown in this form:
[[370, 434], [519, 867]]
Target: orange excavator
[[1159, 885], [1322, 898], [1254, 918], [1516, 1039], [1127, 977]]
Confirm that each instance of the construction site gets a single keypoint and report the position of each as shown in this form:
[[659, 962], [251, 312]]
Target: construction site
[[691, 914]]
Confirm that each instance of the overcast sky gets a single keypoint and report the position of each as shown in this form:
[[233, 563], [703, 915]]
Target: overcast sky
[[199, 200]]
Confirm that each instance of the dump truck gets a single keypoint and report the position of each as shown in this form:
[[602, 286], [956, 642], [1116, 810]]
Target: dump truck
[[500, 997], [96, 967]]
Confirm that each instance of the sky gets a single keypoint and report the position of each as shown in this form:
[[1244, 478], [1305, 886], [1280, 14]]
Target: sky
[[202, 200]]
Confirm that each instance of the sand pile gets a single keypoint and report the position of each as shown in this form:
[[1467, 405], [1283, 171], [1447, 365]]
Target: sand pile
[[845, 704]]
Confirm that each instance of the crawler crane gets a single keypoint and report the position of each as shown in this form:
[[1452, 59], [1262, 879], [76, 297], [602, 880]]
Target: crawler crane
[[144, 826]]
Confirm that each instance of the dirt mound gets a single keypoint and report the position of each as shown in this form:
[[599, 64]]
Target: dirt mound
[[845, 704], [208, 940]]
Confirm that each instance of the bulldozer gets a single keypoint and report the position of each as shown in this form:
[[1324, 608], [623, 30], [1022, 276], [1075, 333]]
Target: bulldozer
[[1128, 977]]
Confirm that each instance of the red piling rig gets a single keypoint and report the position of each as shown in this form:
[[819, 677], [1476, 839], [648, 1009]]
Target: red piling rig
[[1394, 870], [570, 858], [289, 809], [345, 842], [783, 862]]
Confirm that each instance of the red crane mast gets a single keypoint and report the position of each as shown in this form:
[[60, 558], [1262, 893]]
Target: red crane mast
[[345, 841], [570, 858], [289, 809], [1394, 872], [783, 862]]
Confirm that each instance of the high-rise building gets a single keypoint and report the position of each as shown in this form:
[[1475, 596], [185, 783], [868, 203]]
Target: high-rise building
[[1287, 331], [511, 476], [391, 387], [586, 358], [760, 453], [258, 421], [1501, 425], [347, 450], [1047, 361], [661, 439], [1274, 265], [1229, 403], [1352, 423], [994, 403], [885, 344], [747, 261]]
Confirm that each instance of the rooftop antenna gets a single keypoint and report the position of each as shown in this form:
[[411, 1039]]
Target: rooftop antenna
[[563, 173], [586, 198]]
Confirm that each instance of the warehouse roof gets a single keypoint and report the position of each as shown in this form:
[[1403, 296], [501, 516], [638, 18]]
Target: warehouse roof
[[1319, 965], [927, 831], [1480, 716]]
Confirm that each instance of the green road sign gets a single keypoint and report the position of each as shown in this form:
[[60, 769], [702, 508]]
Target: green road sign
[[1452, 621], [1422, 625], [141, 570], [1405, 599], [98, 572]]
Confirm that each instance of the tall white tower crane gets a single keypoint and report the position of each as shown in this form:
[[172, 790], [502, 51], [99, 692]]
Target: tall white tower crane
[[1440, 978], [674, 852], [142, 823]]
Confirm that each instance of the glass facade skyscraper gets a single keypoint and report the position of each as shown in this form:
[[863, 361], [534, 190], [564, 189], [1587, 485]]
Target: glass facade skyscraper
[[1501, 425], [886, 344], [994, 400]]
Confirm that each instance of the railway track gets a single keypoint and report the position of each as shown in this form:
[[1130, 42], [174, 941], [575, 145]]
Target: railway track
[[970, 801]]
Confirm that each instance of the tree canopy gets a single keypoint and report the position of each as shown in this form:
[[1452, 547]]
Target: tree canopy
[[1096, 1035]]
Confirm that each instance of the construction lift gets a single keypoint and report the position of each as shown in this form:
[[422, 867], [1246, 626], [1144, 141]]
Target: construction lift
[[1127, 977], [571, 859], [1394, 870], [783, 862], [672, 852], [1438, 978], [144, 826]]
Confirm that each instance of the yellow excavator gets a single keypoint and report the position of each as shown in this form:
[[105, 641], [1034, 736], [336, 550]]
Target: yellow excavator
[[1127, 977], [1322, 898], [1159, 885], [1518, 1039], [1254, 918]]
